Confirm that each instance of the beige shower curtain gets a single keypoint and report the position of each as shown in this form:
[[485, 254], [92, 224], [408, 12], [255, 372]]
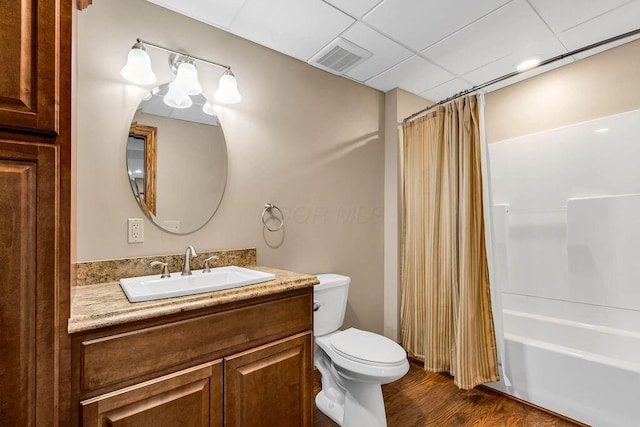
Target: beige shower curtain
[[445, 298]]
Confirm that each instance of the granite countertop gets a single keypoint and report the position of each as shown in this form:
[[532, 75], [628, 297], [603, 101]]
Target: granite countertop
[[105, 304]]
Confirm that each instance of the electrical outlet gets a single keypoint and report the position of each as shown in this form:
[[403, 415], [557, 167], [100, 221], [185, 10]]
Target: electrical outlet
[[135, 230]]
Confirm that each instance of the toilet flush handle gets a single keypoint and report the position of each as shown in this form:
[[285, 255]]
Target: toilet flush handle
[[316, 305]]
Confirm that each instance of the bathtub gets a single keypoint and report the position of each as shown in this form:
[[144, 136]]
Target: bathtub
[[564, 245], [586, 371]]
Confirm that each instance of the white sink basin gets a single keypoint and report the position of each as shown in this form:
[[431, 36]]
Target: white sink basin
[[147, 288]]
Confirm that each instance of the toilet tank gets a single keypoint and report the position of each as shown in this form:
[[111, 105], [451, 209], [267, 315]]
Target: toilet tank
[[330, 298]]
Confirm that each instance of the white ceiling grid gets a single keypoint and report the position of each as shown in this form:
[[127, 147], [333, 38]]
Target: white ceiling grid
[[431, 48]]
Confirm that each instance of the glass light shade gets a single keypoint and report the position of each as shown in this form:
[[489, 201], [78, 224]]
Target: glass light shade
[[207, 108], [187, 79], [138, 67], [176, 97], [227, 92]]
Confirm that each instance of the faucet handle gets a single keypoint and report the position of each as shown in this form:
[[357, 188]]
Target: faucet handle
[[165, 268], [206, 263]]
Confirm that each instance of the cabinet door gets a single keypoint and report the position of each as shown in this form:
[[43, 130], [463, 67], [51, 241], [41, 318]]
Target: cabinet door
[[270, 385], [192, 397], [30, 67], [27, 283]]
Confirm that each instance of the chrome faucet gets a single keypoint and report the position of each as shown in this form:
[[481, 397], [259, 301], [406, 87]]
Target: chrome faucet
[[188, 254]]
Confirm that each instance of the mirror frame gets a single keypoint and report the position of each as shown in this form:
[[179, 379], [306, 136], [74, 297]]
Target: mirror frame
[[148, 134]]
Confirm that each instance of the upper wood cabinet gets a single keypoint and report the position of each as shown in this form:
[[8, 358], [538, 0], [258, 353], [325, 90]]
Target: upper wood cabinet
[[35, 209], [30, 64]]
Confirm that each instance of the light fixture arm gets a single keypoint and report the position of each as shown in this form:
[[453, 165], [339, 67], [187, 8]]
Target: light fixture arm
[[147, 43]]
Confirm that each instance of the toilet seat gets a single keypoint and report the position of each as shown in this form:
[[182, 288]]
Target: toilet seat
[[367, 348], [360, 369]]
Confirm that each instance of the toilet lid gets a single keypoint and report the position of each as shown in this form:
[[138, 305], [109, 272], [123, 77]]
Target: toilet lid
[[367, 347]]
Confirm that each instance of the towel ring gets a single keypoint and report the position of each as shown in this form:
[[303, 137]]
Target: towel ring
[[268, 208]]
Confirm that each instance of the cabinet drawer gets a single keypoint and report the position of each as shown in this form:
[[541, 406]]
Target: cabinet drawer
[[123, 357]]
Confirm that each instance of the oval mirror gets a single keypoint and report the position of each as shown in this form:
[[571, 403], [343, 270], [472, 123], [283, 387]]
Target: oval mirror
[[176, 161]]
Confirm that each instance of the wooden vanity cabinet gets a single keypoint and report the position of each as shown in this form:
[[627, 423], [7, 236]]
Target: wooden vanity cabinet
[[242, 364], [270, 385], [192, 397]]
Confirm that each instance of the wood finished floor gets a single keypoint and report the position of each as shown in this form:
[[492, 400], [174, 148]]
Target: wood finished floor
[[426, 399]]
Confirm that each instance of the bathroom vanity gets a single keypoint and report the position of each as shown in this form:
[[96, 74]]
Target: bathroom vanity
[[237, 357]]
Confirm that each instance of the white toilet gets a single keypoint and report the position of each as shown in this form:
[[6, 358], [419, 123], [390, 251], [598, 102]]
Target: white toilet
[[353, 363]]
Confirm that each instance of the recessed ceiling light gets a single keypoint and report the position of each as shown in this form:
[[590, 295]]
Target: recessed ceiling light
[[528, 64], [602, 130]]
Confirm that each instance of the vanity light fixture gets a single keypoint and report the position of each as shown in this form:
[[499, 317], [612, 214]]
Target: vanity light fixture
[[187, 78], [138, 67], [227, 92], [138, 70]]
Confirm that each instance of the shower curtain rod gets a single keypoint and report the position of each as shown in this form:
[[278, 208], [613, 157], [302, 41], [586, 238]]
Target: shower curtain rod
[[516, 73]]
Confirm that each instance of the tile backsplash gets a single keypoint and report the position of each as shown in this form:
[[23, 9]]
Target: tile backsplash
[[92, 272]]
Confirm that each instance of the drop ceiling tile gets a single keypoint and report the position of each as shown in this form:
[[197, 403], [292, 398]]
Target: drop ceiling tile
[[355, 8], [446, 90], [386, 53], [513, 29], [527, 75], [509, 63], [418, 24], [219, 13], [297, 28], [618, 21], [414, 75], [564, 14]]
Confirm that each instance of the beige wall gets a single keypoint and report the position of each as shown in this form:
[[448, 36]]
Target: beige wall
[[306, 140], [601, 85]]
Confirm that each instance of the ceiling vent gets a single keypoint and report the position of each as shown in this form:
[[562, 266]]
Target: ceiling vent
[[339, 56]]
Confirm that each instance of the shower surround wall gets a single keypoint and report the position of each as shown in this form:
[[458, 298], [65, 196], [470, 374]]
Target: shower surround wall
[[599, 86], [567, 239]]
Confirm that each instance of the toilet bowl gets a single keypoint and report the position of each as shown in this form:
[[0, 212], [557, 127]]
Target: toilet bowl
[[353, 363]]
